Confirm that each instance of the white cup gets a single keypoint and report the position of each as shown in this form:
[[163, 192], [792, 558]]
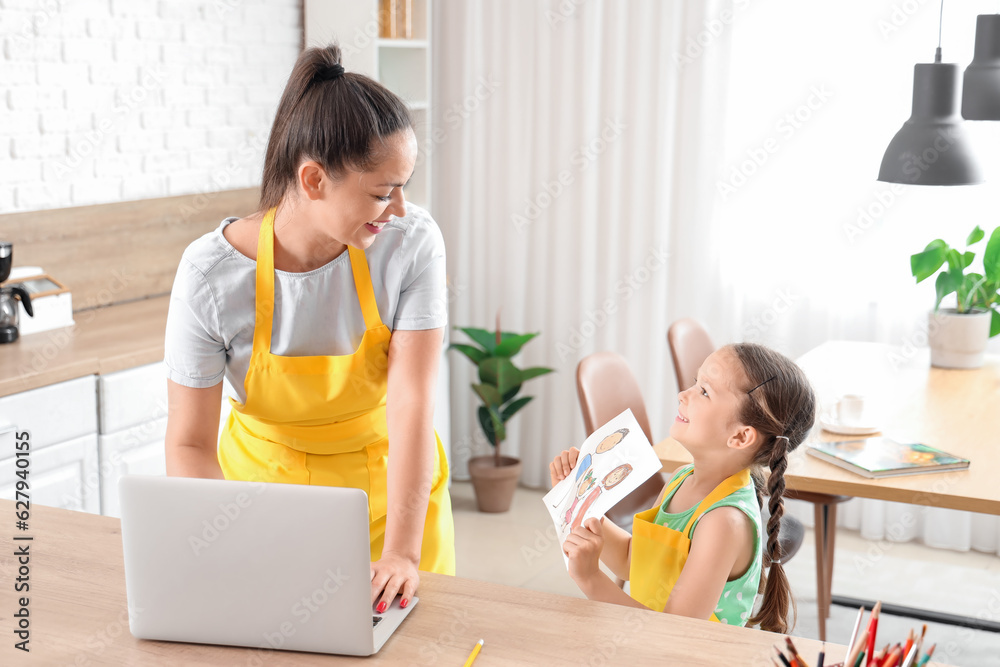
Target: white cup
[[850, 409]]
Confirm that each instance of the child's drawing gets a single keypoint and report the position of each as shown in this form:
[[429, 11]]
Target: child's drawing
[[611, 480], [614, 478], [610, 441], [613, 461]]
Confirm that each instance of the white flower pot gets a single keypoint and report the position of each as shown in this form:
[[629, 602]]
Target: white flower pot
[[958, 340]]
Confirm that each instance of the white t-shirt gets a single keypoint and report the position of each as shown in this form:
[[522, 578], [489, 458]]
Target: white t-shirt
[[210, 322]]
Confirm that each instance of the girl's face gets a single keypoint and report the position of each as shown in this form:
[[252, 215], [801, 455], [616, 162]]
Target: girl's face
[[355, 207], [707, 412]]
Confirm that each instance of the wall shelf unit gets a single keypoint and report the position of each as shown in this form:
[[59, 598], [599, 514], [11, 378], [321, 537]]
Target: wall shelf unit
[[402, 65]]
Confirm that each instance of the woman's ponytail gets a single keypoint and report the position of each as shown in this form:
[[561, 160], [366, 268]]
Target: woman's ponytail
[[339, 119]]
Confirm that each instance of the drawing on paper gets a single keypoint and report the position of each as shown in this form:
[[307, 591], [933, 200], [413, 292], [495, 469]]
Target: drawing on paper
[[613, 461]]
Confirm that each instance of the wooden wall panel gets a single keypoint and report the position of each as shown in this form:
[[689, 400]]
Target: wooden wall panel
[[112, 253]]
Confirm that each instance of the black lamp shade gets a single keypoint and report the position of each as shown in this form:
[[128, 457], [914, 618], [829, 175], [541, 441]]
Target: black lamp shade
[[932, 147], [981, 99]]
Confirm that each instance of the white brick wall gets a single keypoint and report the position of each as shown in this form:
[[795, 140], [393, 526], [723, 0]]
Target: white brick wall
[[111, 100]]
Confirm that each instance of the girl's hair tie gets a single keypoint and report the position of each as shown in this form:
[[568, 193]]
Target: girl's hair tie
[[329, 72], [785, 437]]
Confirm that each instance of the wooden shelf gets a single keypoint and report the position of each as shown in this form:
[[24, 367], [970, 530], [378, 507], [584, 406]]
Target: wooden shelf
[[385, 42]]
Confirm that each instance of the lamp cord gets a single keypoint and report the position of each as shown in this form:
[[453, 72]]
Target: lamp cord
[[937, 53]]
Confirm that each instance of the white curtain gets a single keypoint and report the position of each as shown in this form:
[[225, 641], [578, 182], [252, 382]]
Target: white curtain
[[815, 248], [741, 139], [576, 142]]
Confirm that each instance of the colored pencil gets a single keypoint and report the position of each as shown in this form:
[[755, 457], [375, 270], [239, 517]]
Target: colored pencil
[[857, 628], [872, 631], [910, 638], [795, 654], [861, 659], [856, 650], [894, 656], [781, 656], [927, 657], [821, 656], [911, 657], [475, 652], [920, 644]]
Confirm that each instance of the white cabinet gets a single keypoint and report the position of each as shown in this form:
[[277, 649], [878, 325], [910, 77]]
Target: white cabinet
[[132, 397], [133, 426], [135, 451], [62, 422], [54, 413], [64, 475]]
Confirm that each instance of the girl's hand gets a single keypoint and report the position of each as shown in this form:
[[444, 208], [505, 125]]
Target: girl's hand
[[563, 464], [583, 548], [392, 574]]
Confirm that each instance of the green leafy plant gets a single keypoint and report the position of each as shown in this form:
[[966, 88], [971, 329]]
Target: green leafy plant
[[974, 291], [499, 379]]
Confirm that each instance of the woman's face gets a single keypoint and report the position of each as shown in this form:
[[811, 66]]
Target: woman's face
[[356, 206]]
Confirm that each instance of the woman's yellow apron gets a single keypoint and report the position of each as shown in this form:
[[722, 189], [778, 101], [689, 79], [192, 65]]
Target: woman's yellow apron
[[321, 419], [659, 552]]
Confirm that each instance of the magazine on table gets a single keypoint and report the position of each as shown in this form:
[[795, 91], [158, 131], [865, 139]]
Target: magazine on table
[[885, 457]]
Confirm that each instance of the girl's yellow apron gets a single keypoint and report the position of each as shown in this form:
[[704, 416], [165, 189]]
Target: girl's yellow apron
[[659, 552], [321, 419]]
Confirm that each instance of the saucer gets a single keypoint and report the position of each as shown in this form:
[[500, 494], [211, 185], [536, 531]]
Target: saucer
[[833, 426]]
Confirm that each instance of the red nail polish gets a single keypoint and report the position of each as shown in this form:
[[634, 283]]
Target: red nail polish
[[403, 603], [381, 607]]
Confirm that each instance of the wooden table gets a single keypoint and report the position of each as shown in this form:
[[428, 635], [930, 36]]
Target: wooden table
[[78, 617], [953, 410]]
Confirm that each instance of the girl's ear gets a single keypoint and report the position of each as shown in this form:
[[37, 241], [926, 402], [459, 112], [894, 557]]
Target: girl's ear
[[743, 438]]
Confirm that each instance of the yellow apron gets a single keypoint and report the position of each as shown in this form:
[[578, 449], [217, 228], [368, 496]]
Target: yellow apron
[[659, 552], [321, 419]]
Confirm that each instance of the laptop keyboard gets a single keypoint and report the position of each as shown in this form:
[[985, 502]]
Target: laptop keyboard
[[376, 620]]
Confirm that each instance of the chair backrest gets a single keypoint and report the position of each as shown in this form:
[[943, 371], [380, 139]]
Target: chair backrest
[[606, 387], [689, 345]]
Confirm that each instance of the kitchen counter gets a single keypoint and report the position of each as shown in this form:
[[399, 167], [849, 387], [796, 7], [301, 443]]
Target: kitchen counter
[[103, 340]]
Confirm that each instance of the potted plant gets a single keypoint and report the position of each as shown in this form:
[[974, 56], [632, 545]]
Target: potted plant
[[494, 478], [958, 335]]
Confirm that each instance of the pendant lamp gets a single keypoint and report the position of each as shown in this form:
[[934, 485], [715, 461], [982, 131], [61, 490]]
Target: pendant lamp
[[932, 147], [981, 99]]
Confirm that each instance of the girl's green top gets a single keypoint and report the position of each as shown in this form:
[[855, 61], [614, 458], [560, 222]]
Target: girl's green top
[[738, 595]]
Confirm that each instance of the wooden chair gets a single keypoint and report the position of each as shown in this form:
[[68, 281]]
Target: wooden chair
[[689, 346], [606, 387]]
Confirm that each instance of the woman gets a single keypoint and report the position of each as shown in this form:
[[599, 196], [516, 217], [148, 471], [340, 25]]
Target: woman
[[294, 306]]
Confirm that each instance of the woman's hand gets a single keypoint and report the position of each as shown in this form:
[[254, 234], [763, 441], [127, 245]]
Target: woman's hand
[[562, 465], [583, 548], [391, 575]]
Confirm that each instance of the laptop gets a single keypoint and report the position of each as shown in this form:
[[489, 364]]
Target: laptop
[[275, 566]]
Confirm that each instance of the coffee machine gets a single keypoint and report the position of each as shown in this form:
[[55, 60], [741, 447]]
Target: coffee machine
[[9, 295]]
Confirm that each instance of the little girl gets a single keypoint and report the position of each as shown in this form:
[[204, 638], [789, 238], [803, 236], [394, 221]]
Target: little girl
[[699, 551]]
